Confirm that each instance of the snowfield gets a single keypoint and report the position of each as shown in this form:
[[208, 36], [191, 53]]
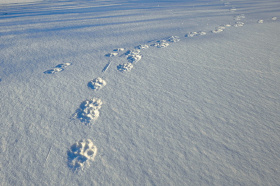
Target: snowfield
[[190, 92]]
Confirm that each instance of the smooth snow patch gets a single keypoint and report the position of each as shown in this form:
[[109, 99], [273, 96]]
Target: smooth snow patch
[[17, 1], [239, 17]]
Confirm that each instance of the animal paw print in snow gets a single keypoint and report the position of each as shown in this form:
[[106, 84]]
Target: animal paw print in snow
[[81, 153], [89, 110], [57, 68], [97, 83]]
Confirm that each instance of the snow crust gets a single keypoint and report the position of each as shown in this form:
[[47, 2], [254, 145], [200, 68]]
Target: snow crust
[[191, 98], [17, 1]]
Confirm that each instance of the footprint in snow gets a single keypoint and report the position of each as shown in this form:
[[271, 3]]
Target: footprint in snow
[[126, 67], [81, 154], [134, 58], [57, 68], [142, 47], [111, 54], [218, 29], [239, 24], [132, 52], [118, 50], [97, 83], [192, 34], [89, 110], [160, 44], [173, 39]]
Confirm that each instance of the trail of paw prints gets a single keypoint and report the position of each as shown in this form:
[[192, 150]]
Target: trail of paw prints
[[57, 68], [89, 111], [133, 56], [81, 154]]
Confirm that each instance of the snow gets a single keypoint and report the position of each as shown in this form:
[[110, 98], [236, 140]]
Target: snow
[[3, 2], [191, 97]]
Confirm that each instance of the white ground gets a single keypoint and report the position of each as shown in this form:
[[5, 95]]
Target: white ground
[[201, 111]]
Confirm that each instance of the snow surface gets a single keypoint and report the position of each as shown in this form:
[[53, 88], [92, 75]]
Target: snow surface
[[3, 2], [200, 107]]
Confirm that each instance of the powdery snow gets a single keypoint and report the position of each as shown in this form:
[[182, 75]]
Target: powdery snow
[[191, 96]]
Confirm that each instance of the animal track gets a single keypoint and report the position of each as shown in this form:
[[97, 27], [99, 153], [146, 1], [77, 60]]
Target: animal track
[[111, 54], [63, 65], [132, 52], [160, 44], [219, 29], [238, 24], [57, 68], [97, 83], [126, 67], [134, 58], [89, 110], [80, 154], [142, 47], [54, 70], [173, 39], [192, 34], [84, 151], [118, 49]]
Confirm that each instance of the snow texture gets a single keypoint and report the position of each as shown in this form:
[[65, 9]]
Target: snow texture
[[200, 107]]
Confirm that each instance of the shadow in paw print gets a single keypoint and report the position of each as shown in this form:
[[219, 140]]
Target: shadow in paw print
[[75, 161], [54, 70]]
